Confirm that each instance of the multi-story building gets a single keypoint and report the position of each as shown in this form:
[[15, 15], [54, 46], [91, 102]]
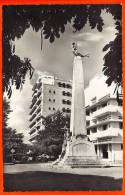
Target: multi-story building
[[104, 117], [50, 94], [104, 120]]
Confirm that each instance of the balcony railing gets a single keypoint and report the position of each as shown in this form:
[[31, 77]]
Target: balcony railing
[[34, 93], [32, 131], [106, 110], [32, 124], [39, 101], [33, 102], [32, 137], [39, 85], [39, 94], [32, 117], [33, 109], [103, 121], [110, 132]]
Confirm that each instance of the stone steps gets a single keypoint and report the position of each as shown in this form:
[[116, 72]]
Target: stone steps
[[82, 162]]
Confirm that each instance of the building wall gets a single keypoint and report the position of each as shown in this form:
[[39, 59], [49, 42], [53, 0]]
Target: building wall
[[52, 94], [104, 120], [53, 98]]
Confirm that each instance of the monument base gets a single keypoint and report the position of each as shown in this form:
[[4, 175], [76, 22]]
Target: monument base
[[80, 152]]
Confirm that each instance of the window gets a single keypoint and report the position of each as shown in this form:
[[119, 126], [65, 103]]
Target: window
[[120, 125], [110, 147], [49, 91], [60, 84], [68, 110], [54, 92], [104, 105], [64, 101], [88, 123], [120, 102], [104, 127], [64, 85], [94, 130], [53, 108], [87, 113], [88, 131], [69, 86], [121, 146], [49, 100], [63, 109], [93, 109], [49, 108], [68, 102], [53, 100], [64, 93], [69, 94]]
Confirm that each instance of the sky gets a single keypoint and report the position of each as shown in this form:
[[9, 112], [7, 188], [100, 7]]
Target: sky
[[57, 59]]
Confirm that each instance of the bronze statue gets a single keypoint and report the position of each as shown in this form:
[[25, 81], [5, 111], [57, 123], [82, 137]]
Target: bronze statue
[[76, 53]]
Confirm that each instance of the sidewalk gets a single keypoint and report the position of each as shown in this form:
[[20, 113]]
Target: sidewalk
[[115, 172]]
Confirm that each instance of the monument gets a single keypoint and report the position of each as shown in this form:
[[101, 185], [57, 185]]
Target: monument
[[77, 149]]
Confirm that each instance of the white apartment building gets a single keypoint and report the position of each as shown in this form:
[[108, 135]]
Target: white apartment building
[[104, 119], [49, 95]]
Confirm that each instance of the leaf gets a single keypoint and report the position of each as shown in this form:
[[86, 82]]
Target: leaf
[[51, 38], [106, 47]]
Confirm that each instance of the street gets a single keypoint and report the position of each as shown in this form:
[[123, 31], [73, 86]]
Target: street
[[43, 177]]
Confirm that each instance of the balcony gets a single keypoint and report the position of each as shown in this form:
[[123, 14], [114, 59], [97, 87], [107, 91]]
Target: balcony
[[110, 132], [38, 110], [32, 137], [34, 93], [104, 120], [38, 103], [33, 102], [39, 85], [110, 118], [106, 110], [38, 117], [32, 131], [105, 98], [32, 124], [33, 109], [32, 117]]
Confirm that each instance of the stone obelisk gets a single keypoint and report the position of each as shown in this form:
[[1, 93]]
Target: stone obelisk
[[79, 149], [78, 116]]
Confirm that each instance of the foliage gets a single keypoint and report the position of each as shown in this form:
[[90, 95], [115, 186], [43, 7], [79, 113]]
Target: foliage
[[52, 20], [11, 139], [50, 140], [6, 112], [113, 58]]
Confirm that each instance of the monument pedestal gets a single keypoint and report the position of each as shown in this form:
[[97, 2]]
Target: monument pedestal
[[81, 153]]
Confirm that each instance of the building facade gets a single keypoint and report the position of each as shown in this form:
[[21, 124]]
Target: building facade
[[50, 94], [104, 114], [104, 121]]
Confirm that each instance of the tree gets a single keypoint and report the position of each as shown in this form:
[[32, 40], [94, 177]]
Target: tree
[[50, 140], [6, 112], [52, 20], [11, 139]]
